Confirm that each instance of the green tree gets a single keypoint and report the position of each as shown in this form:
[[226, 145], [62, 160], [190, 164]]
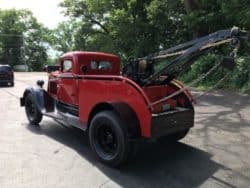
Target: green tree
[[140, 27], [62, 38], [11, 37], [205, 16], [22, 39], [126, 27]]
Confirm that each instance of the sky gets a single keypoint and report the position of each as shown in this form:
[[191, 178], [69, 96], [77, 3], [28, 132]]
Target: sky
[[46, 11]]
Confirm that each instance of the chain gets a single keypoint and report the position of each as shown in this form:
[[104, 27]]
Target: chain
[[202, 77], [214, 87]]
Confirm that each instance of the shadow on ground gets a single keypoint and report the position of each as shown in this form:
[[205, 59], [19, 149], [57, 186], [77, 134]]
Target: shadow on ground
[[173, 165], [5, 86], [227, 115]]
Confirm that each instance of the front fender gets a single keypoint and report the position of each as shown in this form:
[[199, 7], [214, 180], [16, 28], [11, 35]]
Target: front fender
[[37, 95]]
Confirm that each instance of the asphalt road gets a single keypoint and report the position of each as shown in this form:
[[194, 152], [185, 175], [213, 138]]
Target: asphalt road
[[216, 153]]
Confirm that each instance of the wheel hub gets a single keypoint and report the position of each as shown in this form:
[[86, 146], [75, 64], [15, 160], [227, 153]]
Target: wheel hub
[[106, 140]]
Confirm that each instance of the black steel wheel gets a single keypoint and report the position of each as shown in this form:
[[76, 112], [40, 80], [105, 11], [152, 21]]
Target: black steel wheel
[[109, 139], [33, 114]]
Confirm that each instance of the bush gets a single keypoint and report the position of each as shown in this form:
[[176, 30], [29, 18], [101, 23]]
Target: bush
[[238, 79]]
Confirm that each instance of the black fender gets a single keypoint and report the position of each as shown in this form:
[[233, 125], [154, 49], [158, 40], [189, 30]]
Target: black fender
[[128, 115], [43, 101], [125, 112]]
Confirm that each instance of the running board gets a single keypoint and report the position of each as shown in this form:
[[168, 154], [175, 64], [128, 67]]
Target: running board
[[68, 118]]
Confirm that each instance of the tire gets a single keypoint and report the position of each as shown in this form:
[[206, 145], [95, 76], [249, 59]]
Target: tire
[[109, 138], [173, 137], [33, 114], [12, 84]]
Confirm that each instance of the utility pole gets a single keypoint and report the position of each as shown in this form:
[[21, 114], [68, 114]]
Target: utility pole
[[22, 50], [24, 54]]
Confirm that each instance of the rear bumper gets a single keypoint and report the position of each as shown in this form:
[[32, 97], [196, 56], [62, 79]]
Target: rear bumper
[[170, 122]]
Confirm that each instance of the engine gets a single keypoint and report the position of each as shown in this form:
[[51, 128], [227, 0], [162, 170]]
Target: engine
[[138, 70]]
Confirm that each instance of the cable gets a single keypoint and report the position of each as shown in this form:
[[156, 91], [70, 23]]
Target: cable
[[214, 87]]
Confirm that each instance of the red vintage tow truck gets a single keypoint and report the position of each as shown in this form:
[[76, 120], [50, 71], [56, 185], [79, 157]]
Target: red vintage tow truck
[[118, 106]]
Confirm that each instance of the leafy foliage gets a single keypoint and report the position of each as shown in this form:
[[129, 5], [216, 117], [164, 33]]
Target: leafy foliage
[[140, 27], [215, 15], [21, 39], [129, 28]]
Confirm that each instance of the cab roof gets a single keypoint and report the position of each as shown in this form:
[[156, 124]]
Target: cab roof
[[85, 58], [88, 54]]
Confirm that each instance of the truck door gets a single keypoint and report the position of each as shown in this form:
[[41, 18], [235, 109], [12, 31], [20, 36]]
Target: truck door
[[67, 91]]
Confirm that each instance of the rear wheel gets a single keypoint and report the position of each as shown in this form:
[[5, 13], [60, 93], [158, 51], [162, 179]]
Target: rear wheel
[[33, 114], [109, 138], [173, 137]]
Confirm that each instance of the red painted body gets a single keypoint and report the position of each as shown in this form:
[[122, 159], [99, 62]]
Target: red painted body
[[85, 87]]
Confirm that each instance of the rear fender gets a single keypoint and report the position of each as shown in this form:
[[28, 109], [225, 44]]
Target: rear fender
[[128, 116], [124, 111]]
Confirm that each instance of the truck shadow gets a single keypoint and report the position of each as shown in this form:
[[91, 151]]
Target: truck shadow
[[229, 115], [5, 86], [172, 165]]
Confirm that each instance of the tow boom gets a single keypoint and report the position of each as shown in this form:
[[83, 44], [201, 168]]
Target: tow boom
[[141, 69]]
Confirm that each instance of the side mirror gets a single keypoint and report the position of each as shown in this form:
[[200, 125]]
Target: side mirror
[[40, 83]]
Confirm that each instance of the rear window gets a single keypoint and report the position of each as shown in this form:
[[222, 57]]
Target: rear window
[[5, 68], [101, 65]]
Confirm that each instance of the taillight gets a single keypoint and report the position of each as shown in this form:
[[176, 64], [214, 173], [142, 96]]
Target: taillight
[[10, 73]]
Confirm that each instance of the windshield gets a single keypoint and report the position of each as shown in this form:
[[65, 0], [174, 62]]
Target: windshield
[[5, 68]]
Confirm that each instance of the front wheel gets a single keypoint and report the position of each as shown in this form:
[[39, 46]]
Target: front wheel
[[109, 138], [32, 112]]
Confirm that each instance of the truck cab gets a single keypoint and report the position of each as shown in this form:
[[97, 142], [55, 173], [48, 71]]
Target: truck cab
[[63, 84]]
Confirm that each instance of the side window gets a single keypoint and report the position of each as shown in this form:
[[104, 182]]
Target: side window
[[67, 66], [94, 65], [104, 65], [101, 65]]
